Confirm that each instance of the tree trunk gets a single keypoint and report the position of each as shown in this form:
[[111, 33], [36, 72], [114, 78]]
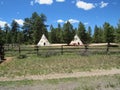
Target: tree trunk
[[86, 47], [1, 52], [108, 45]]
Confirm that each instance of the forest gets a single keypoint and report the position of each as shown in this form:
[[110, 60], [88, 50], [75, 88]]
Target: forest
[[34, 27]]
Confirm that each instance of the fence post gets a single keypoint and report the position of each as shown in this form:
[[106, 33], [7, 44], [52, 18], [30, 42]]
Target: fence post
[[61, 49], [37, 49], [19, 50], [1, 52]]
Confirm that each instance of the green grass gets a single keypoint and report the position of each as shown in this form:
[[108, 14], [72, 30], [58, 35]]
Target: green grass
[[83, 83], [37, 65], [99, 83]]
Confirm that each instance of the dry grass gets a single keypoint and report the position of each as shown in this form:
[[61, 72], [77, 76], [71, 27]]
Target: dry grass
[[87, 83], [37, 65]]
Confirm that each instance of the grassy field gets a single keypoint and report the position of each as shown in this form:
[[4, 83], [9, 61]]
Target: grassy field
[[37, 65], [86, 83], [51, 62]]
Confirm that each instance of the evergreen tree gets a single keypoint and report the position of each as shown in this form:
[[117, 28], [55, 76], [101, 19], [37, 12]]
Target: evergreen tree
[[109, 34], [52, 34], [1, 36], [81, 29], [82, 33], [7, 34], [34, 27], [39, 29], [117, 35], [58, 33], [101, 34], [96, 36], [89, 35], [14, 31], [44, 29], [27, 31], [34, 17], [20, 37], [68, 32], [43, 17], [61, 33]]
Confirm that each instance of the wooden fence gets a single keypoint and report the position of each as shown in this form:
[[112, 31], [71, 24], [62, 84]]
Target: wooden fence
[[56, 50]]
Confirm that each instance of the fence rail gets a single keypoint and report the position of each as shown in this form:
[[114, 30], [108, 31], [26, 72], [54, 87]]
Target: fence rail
[[18, 50]]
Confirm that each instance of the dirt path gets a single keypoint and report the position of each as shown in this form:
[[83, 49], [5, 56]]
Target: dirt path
[[64, 75], [7, 60]]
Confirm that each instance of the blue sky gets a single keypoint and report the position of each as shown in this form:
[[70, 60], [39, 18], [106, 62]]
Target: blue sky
[[90, 12]]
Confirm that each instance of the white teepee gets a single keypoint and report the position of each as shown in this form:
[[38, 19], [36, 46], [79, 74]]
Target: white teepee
[[76, 41], [43, 41]]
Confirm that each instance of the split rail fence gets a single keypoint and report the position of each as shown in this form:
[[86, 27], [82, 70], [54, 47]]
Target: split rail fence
[[56, 50]]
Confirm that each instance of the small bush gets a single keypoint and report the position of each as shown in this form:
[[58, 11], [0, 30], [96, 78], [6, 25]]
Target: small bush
[[49, 54], [22, 56]]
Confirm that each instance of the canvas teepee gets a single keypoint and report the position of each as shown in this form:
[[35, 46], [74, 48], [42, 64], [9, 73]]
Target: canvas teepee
[[76, 41], [43, 41]]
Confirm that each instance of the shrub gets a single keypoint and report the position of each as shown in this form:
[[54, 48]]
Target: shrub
[[22, 56]]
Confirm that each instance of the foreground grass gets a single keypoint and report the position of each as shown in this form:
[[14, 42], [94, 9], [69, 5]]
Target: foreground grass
[[83, 83], [36, 65]]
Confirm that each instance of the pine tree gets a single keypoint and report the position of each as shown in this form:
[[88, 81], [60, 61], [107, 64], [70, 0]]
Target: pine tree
[[117, 35], [101, 35], [1, 36], [82, 33], [44, 26], [58, 32], [20, 37], [52, 34], [89, 35], [39, 29], [7, 34], [96, 36], [109, 34], [68, 32], [14, 31], [61, 34], [27, 31], [34, 27]]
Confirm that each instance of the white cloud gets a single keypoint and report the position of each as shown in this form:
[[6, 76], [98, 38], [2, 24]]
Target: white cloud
[[60, 21], [2, 23], [73, 21], [49, 2], [103, 4], [31, 3], [85, 5], [19, 21], [86, 23], [60, 0]]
